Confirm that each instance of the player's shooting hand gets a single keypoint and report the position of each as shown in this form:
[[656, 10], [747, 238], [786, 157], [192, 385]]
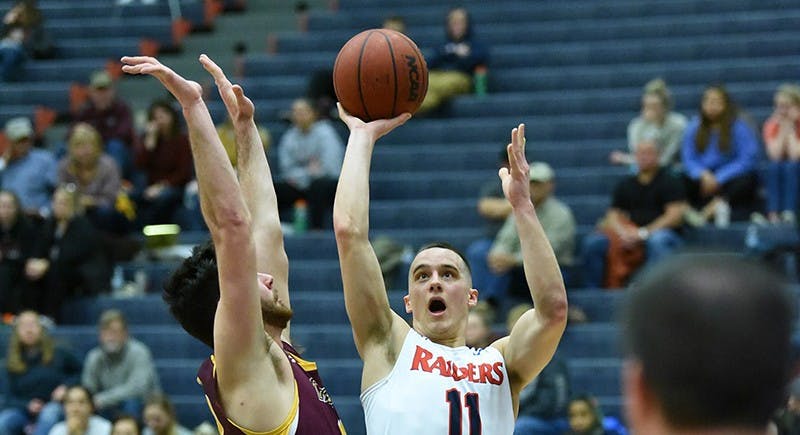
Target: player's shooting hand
[[377, 128], [240, 108], [516, 184], [187, 92]]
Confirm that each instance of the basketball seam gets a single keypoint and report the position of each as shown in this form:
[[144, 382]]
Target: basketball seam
[[394, 70], [420, 59], [360, 91]]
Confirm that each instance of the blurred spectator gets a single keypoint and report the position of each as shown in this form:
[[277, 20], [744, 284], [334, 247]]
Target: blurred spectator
[[96, 177], [160, 419], [479, 327], [494, 271], [228, 137], [17, 243], [25, 15], [643, 223], [112, 118], [205, 428], [494, 208], [454, 64], [394, 22], [28, 172], [165, 158], [543, 402], [719, 156], [656, 122], [80, 415], [38, 372], [782, 140], [787, 419], [586, 418], [125, 425], [66, 261], [12, 53], [120, 372], [310, 156]]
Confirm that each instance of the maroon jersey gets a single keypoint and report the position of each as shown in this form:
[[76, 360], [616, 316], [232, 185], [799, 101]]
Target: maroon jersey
[[315, 412]]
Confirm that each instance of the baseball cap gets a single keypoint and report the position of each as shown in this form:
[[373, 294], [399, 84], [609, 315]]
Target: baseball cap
[[541, 172], [100, 79], [18, 128]]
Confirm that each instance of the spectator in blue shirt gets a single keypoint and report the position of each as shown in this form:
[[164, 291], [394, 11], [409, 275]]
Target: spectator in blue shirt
[[28, 172], [719, 155]]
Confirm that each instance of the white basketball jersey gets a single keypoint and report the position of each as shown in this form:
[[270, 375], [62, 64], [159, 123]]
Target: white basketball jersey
[[440, 390]]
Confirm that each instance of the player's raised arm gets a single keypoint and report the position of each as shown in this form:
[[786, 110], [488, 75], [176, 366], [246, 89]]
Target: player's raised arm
[[534, 338], [238, 326], [255, 180], [365, 294]]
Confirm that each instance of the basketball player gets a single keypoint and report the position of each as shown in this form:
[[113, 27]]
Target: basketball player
[[254, 382], [423, 379], [708, 342]]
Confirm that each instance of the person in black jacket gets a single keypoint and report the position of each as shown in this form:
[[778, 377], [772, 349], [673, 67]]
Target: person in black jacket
[[17, 237], [67, 259]]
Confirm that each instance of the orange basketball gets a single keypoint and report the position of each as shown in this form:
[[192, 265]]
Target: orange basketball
[[380, 73]]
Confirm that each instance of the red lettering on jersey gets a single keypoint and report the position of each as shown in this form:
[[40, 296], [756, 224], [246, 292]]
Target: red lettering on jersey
[[481, 373], [498, 369], [421, 358], [441, 365]]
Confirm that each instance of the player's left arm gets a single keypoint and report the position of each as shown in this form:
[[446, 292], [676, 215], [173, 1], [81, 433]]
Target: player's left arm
[[255, 179], [534, 338]]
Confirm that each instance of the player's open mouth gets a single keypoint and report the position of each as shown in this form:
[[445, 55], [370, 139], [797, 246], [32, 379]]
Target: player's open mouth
[[436, 306]]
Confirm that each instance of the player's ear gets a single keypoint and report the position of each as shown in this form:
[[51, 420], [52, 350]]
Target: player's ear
[[407, 302], [473, 297], [638, 398]]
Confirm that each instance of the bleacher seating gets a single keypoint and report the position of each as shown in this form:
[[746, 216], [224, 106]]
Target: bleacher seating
[[571, 70]]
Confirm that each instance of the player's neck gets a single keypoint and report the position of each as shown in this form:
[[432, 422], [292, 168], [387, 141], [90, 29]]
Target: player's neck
[[443, 339], [274, 332]]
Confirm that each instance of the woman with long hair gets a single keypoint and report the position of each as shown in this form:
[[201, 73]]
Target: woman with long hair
[[38, 371], [165, 159], [719, 156]]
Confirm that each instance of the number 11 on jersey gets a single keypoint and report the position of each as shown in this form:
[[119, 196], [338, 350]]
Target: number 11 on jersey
[[453, 397]]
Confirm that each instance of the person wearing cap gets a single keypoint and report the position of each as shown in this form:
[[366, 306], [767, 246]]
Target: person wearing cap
[[505, 254], [112, 118], [646, 211], [27, 171]]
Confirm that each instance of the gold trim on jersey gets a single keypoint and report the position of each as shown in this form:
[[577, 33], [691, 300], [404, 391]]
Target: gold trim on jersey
[[282, 429], [308, 366]]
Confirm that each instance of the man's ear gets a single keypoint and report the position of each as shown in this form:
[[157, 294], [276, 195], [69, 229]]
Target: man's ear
[[407, 302]]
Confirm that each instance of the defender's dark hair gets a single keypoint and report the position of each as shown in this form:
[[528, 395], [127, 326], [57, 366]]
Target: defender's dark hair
[[192, 293], [712, 334], [445, 245]]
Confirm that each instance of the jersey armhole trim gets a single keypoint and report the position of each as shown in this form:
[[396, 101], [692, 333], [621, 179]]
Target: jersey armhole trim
[[288, 422]]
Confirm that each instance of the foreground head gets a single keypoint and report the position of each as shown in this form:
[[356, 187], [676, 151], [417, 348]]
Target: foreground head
[[440, 291], [708, 344], [192, 294]]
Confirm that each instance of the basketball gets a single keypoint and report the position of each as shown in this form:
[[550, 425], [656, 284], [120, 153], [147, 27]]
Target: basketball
[[379, 74]]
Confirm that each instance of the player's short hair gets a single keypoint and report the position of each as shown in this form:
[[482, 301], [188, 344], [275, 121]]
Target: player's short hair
[[192, 293], [449, 247], [712, 334]]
